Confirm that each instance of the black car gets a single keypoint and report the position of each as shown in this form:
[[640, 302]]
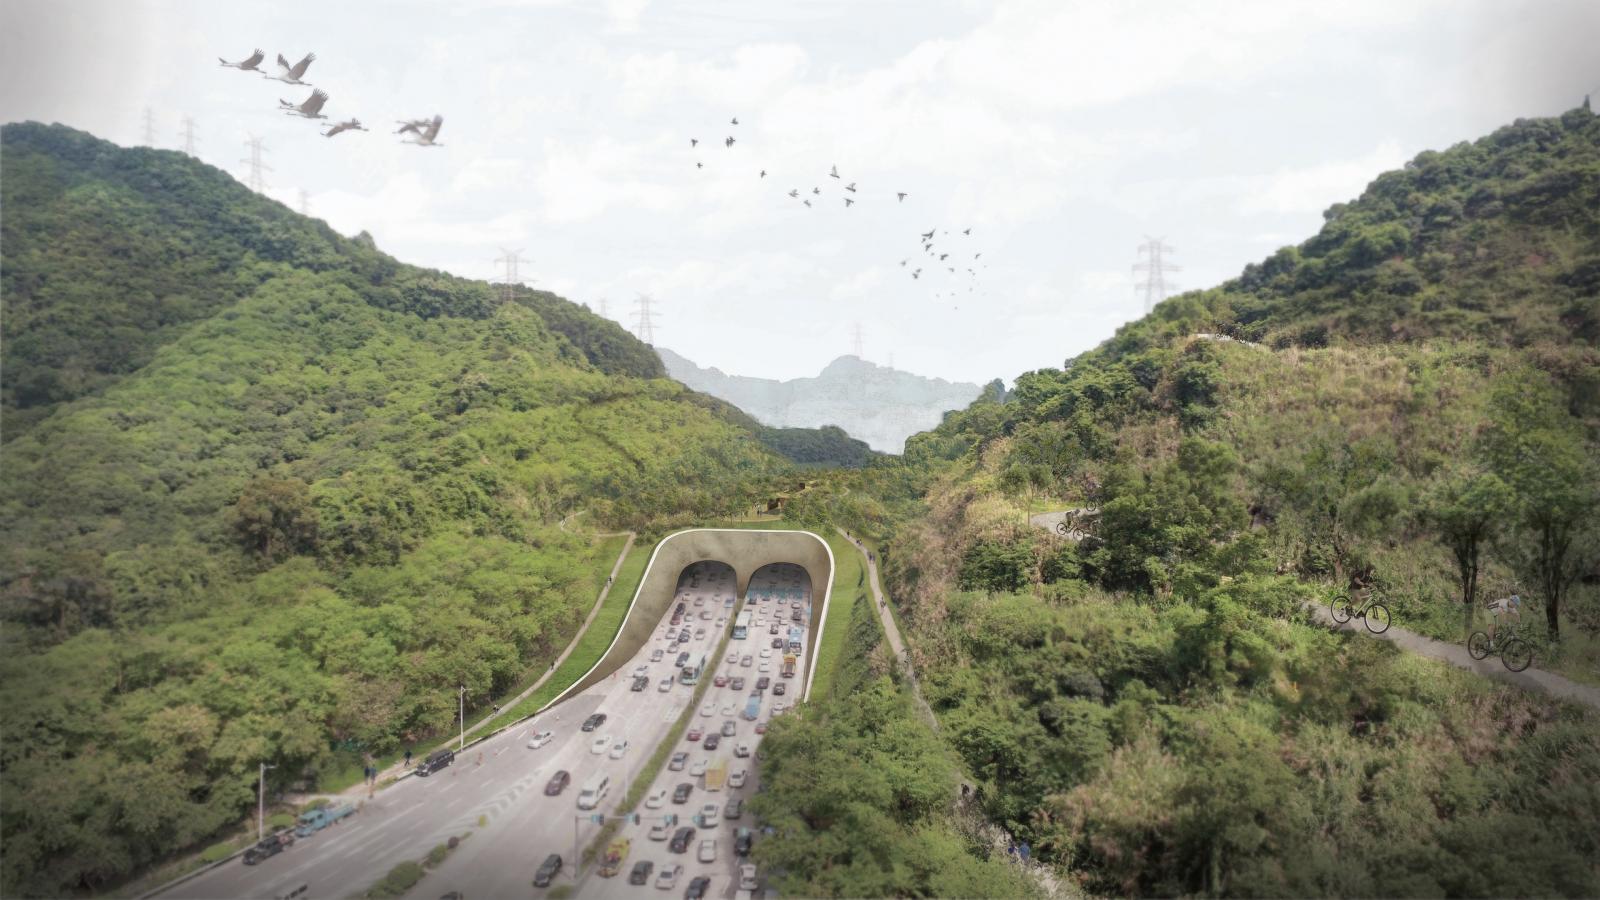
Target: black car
[[271, 846], [779, 689], [712, 740], [640, 682], [548, 871], [763, 683], [742, 842], [680, 794], [558, 783], [641, 872], [683, 659], [594, 721], [697, 888], [435, 761], [777, 643], [681, 839]]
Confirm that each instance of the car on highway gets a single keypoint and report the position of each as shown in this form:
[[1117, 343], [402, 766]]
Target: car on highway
[[779, 689], [594, 721], [764, 667], [641, 872], [697, 888], [667, 877], [683, 659], [709, 814], [777, 642], [657, 799], [732, 658], [708, 851], [742, 839], [795, 617], [436, 760], [699, 601], [680, 794], [727, 709], [766, 653], [720, 681], [619, 749], [599, 744], [736, 780], [699, 768], [694, 734], [708, 708], [269, 846], [761, 728], [729, 728], [763, 683], [747, 661], [539, 739], [557, 783], [664, 827], [778, 710], [664, 685], [684, 636], [679, 761], [737, 683], [699, 633], [657, 654], [705, 615], [640, 682], [741, 750], [680, 840], [548, 870], [734, 809], [712, 741], [747, 878], [773, 629]]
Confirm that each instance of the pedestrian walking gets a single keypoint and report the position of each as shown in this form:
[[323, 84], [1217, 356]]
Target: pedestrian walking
[[408, 757]]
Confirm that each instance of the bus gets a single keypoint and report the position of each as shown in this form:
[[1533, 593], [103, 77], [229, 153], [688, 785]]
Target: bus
[[691, 674], [741, 625], [797, 636]]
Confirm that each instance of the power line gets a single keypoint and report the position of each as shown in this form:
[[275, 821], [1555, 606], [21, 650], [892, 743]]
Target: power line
[[1155, 284], [644, 320], [256, 182], [509, 259], [188, 135]]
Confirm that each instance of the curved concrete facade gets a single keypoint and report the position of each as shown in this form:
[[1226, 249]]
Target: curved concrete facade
[[745, 550]]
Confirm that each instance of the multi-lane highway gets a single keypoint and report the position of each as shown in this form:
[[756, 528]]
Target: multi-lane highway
[[495, 791]]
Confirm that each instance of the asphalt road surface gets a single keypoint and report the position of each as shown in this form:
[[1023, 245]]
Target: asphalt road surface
[[499, 782]]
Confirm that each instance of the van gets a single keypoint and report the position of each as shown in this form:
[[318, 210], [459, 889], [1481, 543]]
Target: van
[[594, 790], [436, 760]]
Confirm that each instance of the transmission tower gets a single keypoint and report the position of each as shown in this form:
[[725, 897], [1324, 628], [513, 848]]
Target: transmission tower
[[1155, 284], [256, 182], [188, 135], [604, 313], [305, 203], [644, 320], [855, 342], [149, 127], [509, 259]]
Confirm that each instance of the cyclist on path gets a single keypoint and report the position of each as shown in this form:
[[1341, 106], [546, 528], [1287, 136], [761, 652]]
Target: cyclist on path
[[1505, 611]]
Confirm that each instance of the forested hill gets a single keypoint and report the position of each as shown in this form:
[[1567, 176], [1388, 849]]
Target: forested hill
[[267, 490], [1417, 414]]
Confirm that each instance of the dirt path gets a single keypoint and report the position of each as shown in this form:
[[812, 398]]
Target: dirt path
[[1530, 679], [892, 630]]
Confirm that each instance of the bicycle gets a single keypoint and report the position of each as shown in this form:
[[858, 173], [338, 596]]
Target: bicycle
[[1372, 613], [1516, 651]]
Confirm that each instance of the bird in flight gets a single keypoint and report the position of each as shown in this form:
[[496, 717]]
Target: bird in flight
[[929, 235], [847, 202], [699, 165], [426, 131], [816, 190], [851, 187], [942, 256], [292, 74], [735, 120], [693, 142], [347, 125], [976, 255], [728, 142], [833, 172], [249, 64], [310, 109], [763, 173], [901, 195], [928, 247], [968, 231], [795, 192], [903, 263], [951, 269], [917, 273], [806, 202]]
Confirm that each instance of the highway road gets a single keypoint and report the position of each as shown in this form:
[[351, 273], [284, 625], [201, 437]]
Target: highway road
[[499, 782]]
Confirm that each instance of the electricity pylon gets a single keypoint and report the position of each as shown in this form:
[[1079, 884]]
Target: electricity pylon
[[1155, 284]]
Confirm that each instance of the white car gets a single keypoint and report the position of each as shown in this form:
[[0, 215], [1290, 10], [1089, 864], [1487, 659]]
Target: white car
[[736, 780], [742, 750], [764, 668], [747, 878], [599, 745], [657, 799], [619, 749], [727, 710], [539, 739], [766, 653], [778, 708], [644, 668], [667, 876], [708, 709], [709, 814], [656, 654], [664, 685], [698, 769], [747, 661], [699, 601], [708, 850], [663, 827]]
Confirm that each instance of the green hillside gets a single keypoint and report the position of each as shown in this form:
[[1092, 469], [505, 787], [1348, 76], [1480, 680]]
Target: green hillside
[[1417, 413], [269, 493]]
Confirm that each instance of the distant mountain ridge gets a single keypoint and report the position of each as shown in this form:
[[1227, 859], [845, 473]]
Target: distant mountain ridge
[[873, 403]]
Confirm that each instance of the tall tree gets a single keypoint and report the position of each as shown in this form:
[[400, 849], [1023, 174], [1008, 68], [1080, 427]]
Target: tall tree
[[1466, 508]]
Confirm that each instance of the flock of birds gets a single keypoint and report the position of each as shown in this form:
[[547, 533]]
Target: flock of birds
[[422, 132], [851, 194]]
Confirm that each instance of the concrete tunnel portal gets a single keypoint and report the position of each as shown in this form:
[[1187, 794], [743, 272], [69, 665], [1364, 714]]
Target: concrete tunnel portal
[[746, 552]]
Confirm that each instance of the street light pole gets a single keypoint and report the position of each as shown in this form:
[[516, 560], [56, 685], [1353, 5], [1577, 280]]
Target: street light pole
[[261, 802], [461, 695]]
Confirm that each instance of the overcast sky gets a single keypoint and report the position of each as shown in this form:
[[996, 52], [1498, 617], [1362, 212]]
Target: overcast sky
[[1060, 132]]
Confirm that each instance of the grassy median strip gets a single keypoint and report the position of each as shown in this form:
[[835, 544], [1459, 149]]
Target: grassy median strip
[[647, 773]]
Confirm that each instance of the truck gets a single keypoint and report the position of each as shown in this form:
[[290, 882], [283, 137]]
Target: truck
[[318, 819], [797, 639], [616, 855], [788, 666], [717, 776]]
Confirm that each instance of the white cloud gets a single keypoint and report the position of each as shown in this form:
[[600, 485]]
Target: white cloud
[[1316, 187]]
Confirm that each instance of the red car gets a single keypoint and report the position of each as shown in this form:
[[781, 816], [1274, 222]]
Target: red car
[[761, 728], [720, 681], [695, 734]]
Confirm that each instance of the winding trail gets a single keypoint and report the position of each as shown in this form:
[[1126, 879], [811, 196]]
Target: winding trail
[[892, 630], [1531, 679]]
